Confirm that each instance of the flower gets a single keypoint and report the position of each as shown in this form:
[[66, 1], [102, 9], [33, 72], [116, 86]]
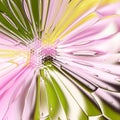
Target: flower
[[59, 59]]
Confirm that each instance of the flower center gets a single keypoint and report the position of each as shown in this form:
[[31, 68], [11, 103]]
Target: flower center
[[40, 54]]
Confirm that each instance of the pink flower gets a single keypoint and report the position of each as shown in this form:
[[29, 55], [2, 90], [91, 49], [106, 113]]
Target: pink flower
[[59, 59]]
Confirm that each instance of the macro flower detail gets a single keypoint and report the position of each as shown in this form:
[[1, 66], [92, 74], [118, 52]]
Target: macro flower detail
[[59, 59]]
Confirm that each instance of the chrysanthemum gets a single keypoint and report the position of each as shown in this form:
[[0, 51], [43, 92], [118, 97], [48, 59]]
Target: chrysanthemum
[[59, 59]]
